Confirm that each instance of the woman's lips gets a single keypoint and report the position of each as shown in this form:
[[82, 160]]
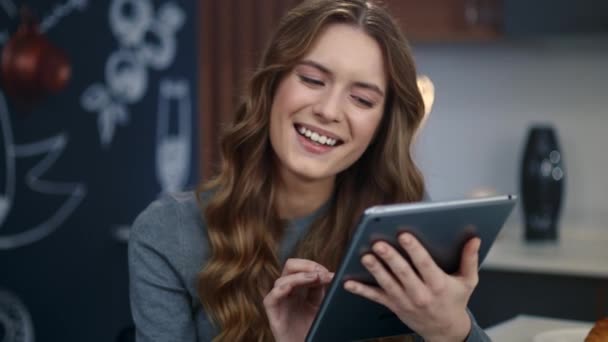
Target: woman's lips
[[312, 147], [322, 132]]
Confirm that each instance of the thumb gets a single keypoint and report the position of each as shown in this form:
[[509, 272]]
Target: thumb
[[469, 262]]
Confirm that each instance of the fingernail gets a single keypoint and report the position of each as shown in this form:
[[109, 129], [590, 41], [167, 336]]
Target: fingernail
[[350, 286], [405, 239], [368, 260], [379, 248]]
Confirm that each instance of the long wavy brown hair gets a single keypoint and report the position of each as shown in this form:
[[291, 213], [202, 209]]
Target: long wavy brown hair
[[243, 227]]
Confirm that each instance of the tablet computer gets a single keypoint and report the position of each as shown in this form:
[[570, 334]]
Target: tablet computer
[[443, 228]]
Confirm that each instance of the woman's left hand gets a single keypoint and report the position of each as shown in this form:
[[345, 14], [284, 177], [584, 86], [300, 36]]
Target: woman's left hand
[[432, 303]]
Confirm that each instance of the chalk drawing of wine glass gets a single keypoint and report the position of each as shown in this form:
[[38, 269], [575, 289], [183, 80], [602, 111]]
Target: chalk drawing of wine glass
[[15, 319], [174, 131]]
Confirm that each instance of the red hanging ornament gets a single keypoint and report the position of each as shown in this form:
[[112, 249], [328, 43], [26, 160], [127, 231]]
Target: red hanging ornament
[[32, 67]]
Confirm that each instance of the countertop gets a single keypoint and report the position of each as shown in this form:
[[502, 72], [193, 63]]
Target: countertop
[[526, 328], [581, 250]]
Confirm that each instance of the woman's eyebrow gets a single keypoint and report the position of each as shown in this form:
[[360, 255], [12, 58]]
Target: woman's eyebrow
[[370, 86], [316, 65], [325, 70]]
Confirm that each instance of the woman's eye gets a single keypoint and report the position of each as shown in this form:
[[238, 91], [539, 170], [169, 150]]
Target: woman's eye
[[311, 81], [363, 102]]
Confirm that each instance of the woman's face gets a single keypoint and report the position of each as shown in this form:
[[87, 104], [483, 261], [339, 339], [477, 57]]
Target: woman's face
[[326, 110]]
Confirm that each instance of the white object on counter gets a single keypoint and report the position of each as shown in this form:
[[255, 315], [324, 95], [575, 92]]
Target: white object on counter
[[525, 328], [579, 251]]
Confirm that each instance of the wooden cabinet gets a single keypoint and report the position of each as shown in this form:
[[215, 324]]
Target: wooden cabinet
[[448, 20], [567, 278], [502, 295], [481, 20], [232, 36]]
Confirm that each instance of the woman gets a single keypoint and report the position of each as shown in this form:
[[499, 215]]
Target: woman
[[324, 131]]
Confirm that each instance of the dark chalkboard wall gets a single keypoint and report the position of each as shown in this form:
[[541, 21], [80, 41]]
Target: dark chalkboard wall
[[77, 168]]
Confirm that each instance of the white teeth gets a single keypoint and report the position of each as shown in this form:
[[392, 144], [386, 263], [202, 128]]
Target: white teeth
[[316, 137]]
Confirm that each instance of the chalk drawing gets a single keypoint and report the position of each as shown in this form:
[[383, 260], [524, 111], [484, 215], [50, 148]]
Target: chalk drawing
[[7, 182], [127, 77], [15, 319], [173, 137], [11, 10], [146, 40], [51, 149], [158, 51], [61, 11], [130, 26], [111, 113], [9, 7]]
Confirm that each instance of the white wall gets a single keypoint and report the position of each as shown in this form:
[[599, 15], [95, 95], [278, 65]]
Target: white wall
[[486, 97]]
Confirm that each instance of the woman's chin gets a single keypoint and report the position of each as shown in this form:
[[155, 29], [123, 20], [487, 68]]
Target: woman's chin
[[310, 173]]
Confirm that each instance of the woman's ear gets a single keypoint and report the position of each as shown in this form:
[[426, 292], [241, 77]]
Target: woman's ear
[[427, 90]]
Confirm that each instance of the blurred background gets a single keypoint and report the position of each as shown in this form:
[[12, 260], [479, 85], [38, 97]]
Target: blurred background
[[118, 101]]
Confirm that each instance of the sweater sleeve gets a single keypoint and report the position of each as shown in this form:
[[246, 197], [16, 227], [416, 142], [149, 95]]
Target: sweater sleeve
[[477, 334], [160, 302]]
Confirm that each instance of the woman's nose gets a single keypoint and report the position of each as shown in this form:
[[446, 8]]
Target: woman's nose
[[329, 106]]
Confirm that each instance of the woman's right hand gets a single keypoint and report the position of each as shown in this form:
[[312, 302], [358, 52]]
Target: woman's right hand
[[293, 302]]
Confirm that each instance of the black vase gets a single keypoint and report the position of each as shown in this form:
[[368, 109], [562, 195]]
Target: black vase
[[542, 182]]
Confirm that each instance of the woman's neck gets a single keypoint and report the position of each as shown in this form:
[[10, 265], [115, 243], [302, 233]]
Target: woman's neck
[[297, 197]]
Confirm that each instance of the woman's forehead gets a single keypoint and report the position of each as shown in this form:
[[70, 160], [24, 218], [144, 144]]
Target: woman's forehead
[[348, 51]]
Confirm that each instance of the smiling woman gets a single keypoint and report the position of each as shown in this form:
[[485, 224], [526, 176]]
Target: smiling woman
[[335, 93], [323, 131]]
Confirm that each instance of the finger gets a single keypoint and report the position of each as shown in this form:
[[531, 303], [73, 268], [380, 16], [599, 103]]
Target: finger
[[406, 276], [384, 278], [276, 295], [294, 265], [431, 274], [284, 286], [298, 279], [469, 263], [372, 293], [316, 294]]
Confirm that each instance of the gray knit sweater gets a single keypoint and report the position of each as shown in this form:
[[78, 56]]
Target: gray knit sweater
[[167, 249]]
